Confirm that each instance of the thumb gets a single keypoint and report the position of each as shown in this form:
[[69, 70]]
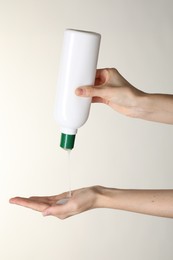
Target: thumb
[[89, 91], [56, 211]]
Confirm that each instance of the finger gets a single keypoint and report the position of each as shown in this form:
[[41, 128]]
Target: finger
[[56, 198], [45, 199], [20, 200], [56, 211], [99, 100], [88, 91], [101, 76], [29, 203], [105, 92]]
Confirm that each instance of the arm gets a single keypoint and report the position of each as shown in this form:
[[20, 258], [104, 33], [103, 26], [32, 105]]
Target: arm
[[156, 107], [114, 90], [151, 202]]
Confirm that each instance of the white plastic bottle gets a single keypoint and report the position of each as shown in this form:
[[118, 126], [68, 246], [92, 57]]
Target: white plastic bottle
[[77, 67]]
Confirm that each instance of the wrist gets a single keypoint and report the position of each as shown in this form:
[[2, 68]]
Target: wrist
[[106, 197], [143, 106]]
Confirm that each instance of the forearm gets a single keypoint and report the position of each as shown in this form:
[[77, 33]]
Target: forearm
[[155, 107], [151, 202]]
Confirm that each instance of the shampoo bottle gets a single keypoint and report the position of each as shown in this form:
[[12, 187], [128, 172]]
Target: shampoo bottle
[[77, 67]]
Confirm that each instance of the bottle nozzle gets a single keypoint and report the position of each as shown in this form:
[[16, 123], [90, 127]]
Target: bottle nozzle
[[67, 141]]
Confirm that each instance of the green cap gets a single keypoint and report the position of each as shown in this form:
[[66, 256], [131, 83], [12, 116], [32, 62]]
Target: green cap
[[67, 141]]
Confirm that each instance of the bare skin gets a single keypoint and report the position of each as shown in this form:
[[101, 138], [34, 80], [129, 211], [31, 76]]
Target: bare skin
[[151, 202], [115, 91]]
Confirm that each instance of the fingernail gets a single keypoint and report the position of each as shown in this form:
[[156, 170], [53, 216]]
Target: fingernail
[[80, 91]]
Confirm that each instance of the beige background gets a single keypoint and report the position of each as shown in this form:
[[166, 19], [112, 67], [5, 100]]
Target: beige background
[[111, 150]]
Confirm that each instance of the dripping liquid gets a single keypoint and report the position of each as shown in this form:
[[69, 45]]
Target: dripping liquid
[[69, 172]]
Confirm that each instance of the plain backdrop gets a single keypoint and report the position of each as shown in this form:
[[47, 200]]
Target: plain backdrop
[[111, 150]]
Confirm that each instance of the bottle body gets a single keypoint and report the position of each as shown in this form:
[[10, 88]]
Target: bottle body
[[77, 67]]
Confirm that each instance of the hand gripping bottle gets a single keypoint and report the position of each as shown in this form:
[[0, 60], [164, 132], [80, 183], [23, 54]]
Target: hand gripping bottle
[[77, 67]]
